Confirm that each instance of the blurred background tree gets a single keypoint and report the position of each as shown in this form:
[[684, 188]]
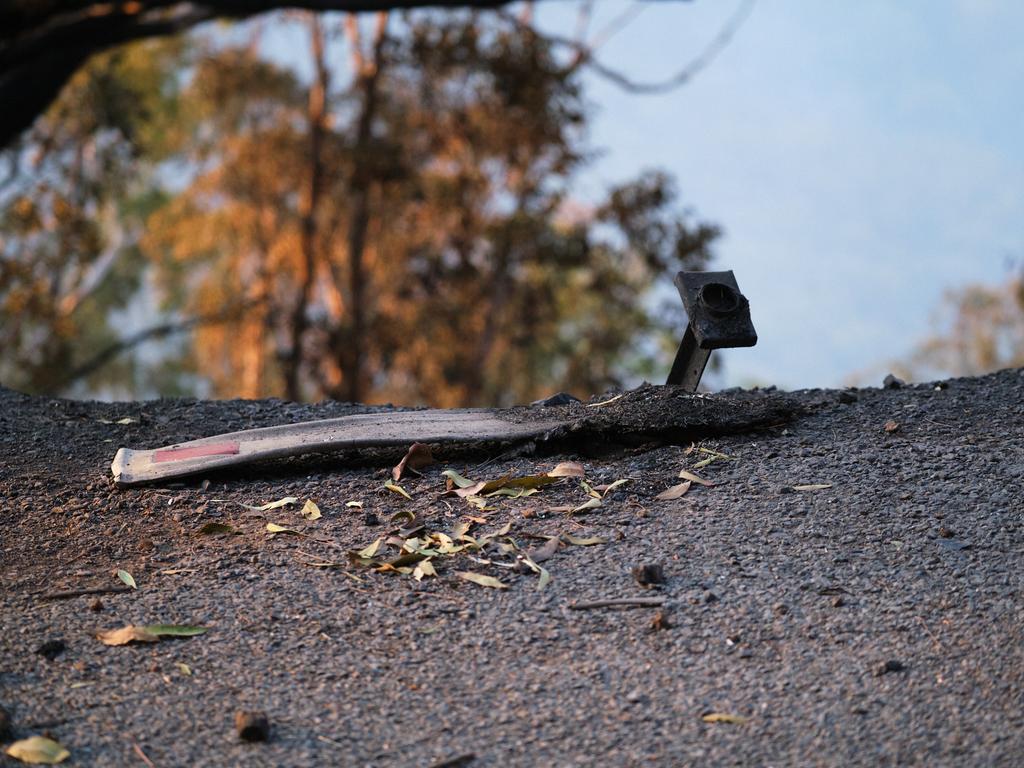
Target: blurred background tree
[[406, 232], [978, 329]]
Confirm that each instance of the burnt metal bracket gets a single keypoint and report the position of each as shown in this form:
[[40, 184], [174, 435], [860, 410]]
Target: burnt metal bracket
[[719, 317]]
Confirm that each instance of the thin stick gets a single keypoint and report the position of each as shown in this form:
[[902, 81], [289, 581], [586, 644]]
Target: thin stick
[[142, 755], [80, 592], [624, 602]]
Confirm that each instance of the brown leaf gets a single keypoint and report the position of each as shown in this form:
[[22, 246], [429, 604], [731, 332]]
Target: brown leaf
[[417, 457], [125, 635], [695, 478], [675, 492], [891, 426], [567, 469]]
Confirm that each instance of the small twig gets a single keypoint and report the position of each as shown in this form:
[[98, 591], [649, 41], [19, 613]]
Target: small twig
[[620, 602], [80, 592], [142, 755]]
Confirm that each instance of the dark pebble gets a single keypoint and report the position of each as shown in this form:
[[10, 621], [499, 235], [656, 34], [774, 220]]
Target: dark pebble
[[891, 382], [846, 398], [51, 649], [649, 574], [890, 666], [252, 726], [370, 519]]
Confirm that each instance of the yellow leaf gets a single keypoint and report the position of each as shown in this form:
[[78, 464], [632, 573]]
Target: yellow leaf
[[354, 504], [675, 492], [724, 717], [275, 528], [812, 487], [481, 579], [184, 668], [391, 486], [371, 550], [38, 750], [423, 568], [311, 511]]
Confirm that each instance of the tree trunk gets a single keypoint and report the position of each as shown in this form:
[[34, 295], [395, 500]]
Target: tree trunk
[[352, 356], [317, 128]]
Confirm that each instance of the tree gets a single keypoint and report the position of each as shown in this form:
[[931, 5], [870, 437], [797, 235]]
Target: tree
[[980, 329], [72, 201], [416, 240], [407, 234]]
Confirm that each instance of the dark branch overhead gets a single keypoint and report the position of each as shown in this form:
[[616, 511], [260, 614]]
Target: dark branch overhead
[[44, 42]]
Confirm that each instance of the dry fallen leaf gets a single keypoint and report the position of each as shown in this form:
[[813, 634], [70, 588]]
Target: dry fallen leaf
[[354, 504], [390, 485], [567, 469], [275, 528], [147, 634], [891, 426], [481, 579], [454, 479], [286, 501], [423, 568], [583, 542], [675, 492], [184, 668], [38, 750], [724, 717], [588, 504], [310, 510], [604, 490], [127, 578], [417, 457], [695, 478], [370, 550], [125, 635], [812, 487]]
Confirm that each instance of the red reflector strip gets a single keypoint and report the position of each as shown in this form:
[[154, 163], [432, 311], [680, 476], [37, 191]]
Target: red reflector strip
[[178, 454]]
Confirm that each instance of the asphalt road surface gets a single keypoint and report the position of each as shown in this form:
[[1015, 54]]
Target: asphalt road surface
[[848, 592]]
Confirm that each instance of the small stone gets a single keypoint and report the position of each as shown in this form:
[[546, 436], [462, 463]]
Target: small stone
[[51, 649], [649, 574], [888, 667], [946, 533], [780, 609], [891, 382], [891, 426], [786, 489], [838, 602], [710, 597], [96, 605], [660, 622], [846, 398], [370, 519], [252, 726], [562, 398]]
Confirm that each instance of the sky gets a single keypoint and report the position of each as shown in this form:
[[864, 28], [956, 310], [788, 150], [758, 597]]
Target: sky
[[862, 158]]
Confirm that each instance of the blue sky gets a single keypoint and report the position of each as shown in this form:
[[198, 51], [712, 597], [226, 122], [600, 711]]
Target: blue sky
[[862, 157]]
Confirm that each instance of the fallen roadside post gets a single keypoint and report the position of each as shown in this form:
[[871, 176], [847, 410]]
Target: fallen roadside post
[[719, 316]]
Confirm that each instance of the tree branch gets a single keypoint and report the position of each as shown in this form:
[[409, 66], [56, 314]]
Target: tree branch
[[161, 331]]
